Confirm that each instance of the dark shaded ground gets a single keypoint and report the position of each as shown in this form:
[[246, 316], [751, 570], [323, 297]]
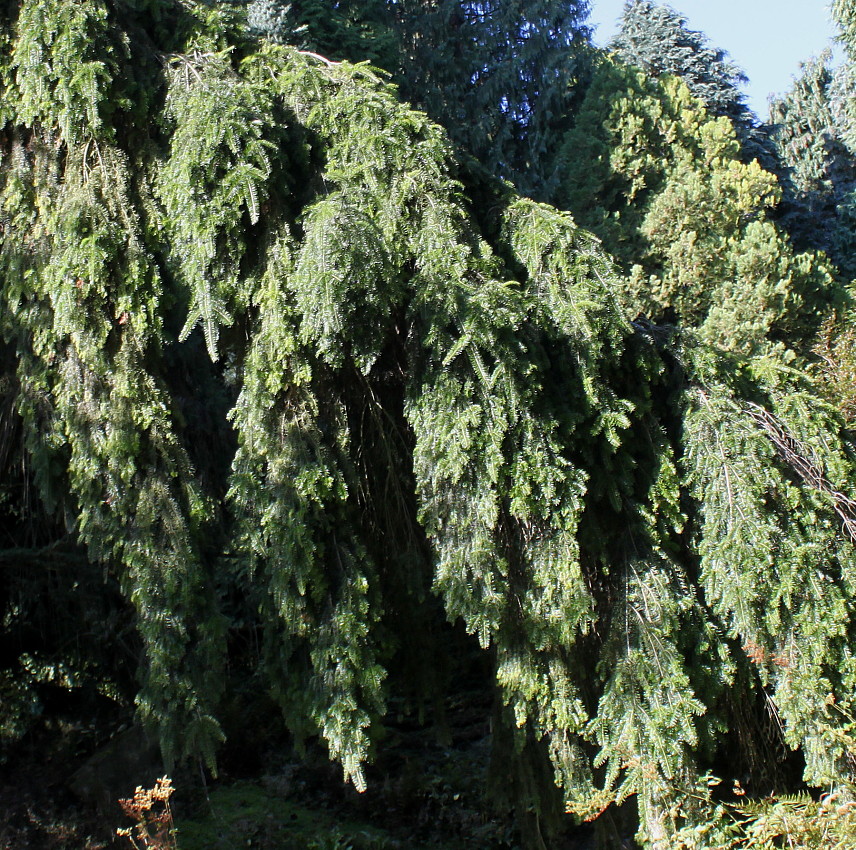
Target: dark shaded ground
[[423, 793], [37, 807]]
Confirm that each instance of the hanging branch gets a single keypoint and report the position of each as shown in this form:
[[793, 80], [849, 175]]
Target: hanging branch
[[798, 457]]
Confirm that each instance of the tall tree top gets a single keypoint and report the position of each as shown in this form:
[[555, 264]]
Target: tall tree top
[[844, 12], [657, 39], [809, 129], [498, 76]]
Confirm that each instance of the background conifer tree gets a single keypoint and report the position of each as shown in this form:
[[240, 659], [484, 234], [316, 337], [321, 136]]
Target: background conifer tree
[[656, 38], [687, 219], [356, 30], [819, 177], [832, 184], [844, 13], [273, 20], [500, 76]]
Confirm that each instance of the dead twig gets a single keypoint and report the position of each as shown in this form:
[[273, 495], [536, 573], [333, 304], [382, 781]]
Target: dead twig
[[799, 458]]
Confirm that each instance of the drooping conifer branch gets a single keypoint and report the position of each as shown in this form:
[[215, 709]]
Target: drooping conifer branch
[[803, 460]]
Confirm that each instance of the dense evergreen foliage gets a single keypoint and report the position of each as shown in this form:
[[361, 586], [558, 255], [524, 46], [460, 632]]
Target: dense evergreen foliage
[[833, 186], [499, 76], [273, 20], [809, 130], [357, 30], [655, 38], [687, 220], [282, 366], [844, 13]]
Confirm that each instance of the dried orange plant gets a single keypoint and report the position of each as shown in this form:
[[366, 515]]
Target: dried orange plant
[[154, 827]]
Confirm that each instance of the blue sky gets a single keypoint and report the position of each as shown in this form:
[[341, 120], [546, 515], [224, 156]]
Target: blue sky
[[766, 38]]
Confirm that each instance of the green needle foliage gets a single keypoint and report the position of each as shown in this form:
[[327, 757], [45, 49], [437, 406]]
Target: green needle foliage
[[824, 176], [687, 219], [656, 39], [844, 14], [820, 181], [499, 76], [274, 345]]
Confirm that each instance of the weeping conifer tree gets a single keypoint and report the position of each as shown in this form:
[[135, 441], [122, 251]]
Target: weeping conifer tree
[[422, 385], [499, 77]]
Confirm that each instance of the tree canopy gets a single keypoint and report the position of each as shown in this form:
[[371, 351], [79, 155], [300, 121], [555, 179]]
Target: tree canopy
[[809, 131], [281, 362], [687, 219], [499, 76], [656, 39]]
